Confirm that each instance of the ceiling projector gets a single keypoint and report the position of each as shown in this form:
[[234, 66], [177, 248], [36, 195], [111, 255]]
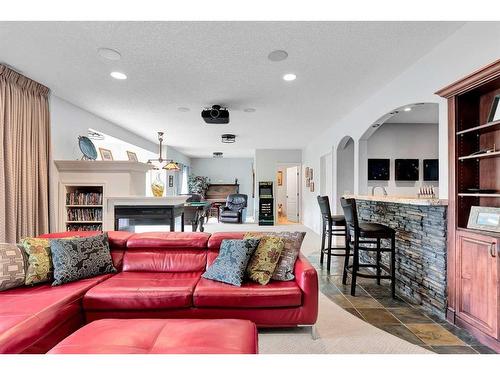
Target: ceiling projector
[[215, 115]]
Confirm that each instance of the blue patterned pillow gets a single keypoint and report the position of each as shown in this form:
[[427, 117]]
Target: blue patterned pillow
[[229, 267]]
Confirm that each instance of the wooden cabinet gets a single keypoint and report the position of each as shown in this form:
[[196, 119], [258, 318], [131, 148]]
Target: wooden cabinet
[[474, 180], [477, 290]]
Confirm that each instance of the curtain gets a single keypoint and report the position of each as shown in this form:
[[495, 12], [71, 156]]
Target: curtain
[[24, 156]]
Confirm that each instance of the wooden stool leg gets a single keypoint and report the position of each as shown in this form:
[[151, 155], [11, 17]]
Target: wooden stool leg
[[393, 266], [347, 255], [379, 254], [355, 265], [329, 254], [323, 234]]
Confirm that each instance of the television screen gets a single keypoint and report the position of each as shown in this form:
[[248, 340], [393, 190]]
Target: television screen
[[406, 169], [431, 170], [378, 169]]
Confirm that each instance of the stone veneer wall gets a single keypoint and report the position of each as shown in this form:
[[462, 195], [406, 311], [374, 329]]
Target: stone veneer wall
[[420, 250]]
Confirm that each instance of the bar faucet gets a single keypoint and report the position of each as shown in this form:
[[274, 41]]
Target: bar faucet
[[383, 189]]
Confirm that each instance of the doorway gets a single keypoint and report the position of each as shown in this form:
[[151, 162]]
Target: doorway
[[288, 194], [345, 170]]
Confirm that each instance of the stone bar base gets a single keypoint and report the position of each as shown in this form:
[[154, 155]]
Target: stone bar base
[[420, 250]]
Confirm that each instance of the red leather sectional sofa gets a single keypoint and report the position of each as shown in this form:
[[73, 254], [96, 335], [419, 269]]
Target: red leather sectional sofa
[[159, 277]]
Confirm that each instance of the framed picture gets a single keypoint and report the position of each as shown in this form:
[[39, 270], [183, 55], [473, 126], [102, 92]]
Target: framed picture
[[132, 156], [484, 218], [311, 187], [495, 110], [105, 154], [311, 177], [280, 178], [308, 182], [170, 181], [307, 173]]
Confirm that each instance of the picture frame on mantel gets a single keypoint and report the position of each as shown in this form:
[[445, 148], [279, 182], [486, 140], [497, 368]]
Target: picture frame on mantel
[[106, 154], [132, 156]]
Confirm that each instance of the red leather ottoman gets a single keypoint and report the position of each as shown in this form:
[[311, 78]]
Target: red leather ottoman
[[162, 336]]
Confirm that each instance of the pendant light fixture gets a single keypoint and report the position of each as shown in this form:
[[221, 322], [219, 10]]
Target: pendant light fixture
[[170, 164]]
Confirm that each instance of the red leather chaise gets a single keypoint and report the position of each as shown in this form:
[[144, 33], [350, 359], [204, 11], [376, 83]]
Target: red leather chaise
[[159, 277]]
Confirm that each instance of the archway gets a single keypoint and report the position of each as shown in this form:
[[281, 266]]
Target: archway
[[407, 141], [345, 170]]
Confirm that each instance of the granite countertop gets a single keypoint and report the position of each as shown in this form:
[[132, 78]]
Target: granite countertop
[[401, 200]]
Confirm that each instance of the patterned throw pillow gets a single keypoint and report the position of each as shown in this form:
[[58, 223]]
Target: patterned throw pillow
[[12, 267], [230, 265], [286, 263], [39, 260], [263, 262], [80, 258]]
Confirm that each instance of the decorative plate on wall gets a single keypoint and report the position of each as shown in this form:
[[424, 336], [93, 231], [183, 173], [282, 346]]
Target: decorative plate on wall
[[87, 148]]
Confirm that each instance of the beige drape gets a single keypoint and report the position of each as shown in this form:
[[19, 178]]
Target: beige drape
[[24, 156]]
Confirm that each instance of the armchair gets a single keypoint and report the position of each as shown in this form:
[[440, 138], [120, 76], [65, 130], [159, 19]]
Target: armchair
[[235, 209]]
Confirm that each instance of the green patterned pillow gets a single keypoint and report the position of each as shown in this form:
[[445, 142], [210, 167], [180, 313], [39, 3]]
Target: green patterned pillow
[[39, 260], [265, 259], [293, 241]]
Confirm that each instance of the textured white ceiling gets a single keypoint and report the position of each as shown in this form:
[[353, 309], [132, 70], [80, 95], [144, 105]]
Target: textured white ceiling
[[196, 64]]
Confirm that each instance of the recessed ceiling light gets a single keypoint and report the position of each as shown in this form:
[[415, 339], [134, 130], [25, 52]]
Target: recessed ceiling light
[[407, 109], [228, 138], [217, 155], [278, 55], [118, 75], [109, 54], [183, 109], [289, 77], [249, 110]]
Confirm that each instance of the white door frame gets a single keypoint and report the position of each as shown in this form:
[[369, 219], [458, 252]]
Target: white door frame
[[287, 165]]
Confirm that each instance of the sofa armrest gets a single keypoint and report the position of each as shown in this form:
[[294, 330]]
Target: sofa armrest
[[307, 280]]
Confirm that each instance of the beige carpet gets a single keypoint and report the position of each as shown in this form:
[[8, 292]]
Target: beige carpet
[[339, 333]]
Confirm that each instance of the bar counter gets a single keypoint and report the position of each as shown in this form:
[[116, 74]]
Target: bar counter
[[420, 225]]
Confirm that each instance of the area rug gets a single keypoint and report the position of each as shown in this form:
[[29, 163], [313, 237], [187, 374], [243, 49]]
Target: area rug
[[339, 333]]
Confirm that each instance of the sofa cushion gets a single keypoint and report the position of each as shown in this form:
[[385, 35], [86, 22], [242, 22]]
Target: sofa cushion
[[162, 336], [165, 260], [12, 266], [29, 314], [264, 260], [143, 291], [210, 293], [216, 239], [230, 265], [168, 240], [81, 258]]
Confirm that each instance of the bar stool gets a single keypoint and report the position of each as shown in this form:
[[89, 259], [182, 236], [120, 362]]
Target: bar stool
[[333, 225], [367, 234]]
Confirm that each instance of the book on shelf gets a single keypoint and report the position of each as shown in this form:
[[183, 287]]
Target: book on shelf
[[83, 227], [79, 197], [84, 214]]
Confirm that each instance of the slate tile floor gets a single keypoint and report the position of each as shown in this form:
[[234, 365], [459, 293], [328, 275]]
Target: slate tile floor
[[373, 304]]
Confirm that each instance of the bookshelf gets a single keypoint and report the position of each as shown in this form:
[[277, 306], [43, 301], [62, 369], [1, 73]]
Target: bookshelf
[[83, 207], [473, 264]]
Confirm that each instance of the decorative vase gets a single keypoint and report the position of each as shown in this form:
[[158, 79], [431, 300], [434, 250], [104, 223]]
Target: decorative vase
[[158, 187]]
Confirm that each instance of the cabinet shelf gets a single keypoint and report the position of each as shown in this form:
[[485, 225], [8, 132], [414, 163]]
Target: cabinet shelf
[[84, 205], [488, 127], [84, 222], [489, 195], [493, 154]]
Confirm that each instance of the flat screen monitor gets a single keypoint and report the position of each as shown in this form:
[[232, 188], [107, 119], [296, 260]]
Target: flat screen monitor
[[378, 169], [406, 169], [431, 170]]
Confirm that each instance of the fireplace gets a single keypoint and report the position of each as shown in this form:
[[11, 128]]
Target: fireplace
[[130, 217]]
